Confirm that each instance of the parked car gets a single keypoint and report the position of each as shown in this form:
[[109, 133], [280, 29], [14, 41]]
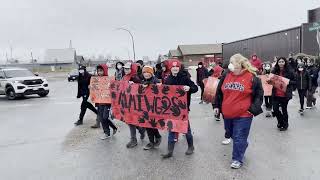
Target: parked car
[[73, 75], [15, 82]]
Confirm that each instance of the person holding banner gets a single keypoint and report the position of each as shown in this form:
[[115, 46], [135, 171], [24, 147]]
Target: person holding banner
[[104, 109], [84, 92], [153, 134], [242, 87], [281, 94], [131, 76], [177, 77]]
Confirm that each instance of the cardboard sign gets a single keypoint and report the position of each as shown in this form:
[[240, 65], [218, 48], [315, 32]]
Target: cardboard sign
[[267, 88], [156, 106], [279, 82], [210, 89], [100, 89]]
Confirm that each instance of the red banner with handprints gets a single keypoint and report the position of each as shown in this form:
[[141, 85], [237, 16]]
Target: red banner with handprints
[[155, 106], [279, 82], [100, 89], [267, 88], [210, 89]]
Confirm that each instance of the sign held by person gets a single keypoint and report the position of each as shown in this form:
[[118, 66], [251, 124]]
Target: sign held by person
[[210, 89], [279, 82], [100, 89], [155, 106], [267, 88]]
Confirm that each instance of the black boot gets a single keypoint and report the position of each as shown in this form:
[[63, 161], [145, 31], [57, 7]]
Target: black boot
[[190, 146], [79, 122], [170, 151]]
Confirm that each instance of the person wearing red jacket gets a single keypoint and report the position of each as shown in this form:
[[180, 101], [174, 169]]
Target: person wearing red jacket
[[257, 63], [131, 76], [165, 70], [242, 87], [104, 109]]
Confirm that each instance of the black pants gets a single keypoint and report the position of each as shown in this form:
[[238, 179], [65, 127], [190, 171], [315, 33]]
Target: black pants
[[84, 105], [103, 114], [268, 102], [282, 116], [302, 95], [202, 90], [153, 134]]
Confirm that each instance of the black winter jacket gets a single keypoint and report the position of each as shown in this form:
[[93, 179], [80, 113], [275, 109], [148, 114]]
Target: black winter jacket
[[183, 79], [313, 72], [303, 80], [257, 95], [83, 84]]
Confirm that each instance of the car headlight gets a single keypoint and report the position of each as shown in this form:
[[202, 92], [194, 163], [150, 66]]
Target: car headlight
[[17, 82]]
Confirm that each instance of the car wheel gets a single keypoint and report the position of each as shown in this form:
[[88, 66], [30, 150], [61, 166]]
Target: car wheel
[[43, 94], [11, 95]]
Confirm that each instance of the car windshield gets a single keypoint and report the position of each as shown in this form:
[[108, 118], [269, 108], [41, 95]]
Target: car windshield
[[18, 73]]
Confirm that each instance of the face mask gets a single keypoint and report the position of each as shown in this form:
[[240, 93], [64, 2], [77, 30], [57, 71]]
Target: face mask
[[200, 66], [119, 66], [267, 68], [300, 69], [231, 67], [81, 71]]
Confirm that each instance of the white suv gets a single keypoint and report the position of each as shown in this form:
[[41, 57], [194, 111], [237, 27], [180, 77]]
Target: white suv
[[15, 82]]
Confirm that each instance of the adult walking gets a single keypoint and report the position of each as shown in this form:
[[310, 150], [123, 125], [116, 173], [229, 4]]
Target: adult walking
[[239, 86], [280, 98], [202, 73], [84, 92]]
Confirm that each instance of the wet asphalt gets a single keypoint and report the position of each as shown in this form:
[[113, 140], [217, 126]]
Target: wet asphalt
[[39, 141]]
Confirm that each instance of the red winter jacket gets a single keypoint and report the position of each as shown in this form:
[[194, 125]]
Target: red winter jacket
[[257, 63]]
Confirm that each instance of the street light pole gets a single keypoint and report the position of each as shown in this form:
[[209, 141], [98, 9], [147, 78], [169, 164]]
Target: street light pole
[[134, 51]]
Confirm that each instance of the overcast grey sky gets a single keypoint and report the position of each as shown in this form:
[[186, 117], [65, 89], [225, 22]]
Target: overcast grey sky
[[157, 25]]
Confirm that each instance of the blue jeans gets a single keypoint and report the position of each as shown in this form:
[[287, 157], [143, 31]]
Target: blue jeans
[[239, 129], [172, 137]]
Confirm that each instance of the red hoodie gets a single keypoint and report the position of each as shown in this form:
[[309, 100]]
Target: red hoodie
[[133, 76], [237, 95], [105, 69], [217, 71], [257, 63]]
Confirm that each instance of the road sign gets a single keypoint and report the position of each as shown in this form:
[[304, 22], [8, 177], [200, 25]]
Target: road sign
[[315, 26]]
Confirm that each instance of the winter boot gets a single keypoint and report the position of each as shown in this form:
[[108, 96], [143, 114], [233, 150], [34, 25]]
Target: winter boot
[[79, 122], [170, 150], [133, 142]]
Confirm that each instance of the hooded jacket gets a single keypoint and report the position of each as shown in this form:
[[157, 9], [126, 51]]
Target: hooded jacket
[[83, 84], [166, 73], [105, 73], [216, 71], [133, 76], [119, 72], [257, 63]]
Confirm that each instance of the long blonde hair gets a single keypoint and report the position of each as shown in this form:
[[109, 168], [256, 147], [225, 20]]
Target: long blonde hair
[[244, 62]]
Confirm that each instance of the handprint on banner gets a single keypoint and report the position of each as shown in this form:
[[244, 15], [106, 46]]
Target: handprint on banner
[[181, 92], [165, 90], [155, 89]]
